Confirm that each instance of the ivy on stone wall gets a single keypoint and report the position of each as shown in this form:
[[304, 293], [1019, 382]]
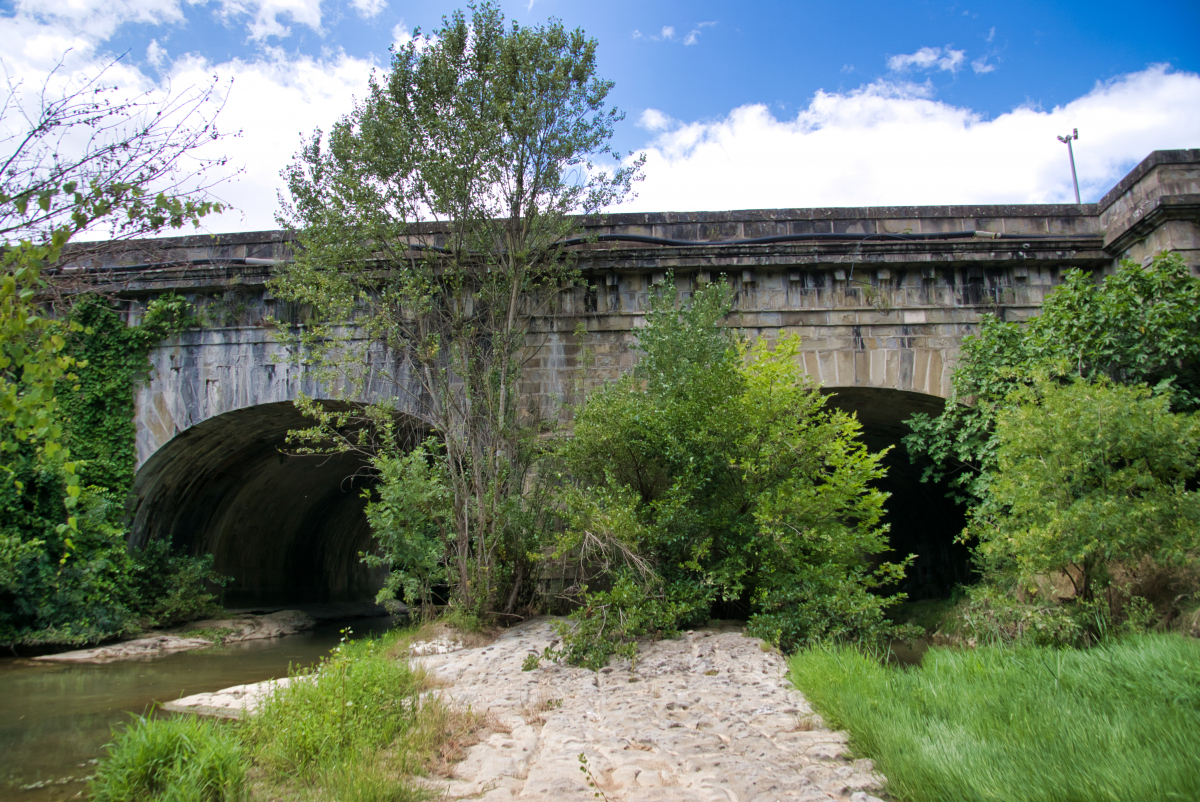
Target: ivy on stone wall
[[99, 417], [83, 585]]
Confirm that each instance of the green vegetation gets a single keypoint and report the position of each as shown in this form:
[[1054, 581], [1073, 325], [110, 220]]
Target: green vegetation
[[355, 728], [67, 365], [1076, 455], [1120, 721], [487, 130], [716, 473], [1090, 477], [76, 582], [181, 759], [1140, 325]]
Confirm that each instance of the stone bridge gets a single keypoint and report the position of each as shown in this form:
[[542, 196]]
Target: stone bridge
[[881, 297]]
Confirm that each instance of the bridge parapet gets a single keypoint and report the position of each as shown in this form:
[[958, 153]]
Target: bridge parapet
[[881, 296]]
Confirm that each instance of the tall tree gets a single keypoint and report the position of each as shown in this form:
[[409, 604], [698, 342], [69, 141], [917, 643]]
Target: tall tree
[[431, 216]]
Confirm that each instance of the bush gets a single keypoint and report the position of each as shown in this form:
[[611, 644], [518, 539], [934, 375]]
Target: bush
[[717, 474], [184, 759], [172, 588], [1140, 325], [1090, 477]]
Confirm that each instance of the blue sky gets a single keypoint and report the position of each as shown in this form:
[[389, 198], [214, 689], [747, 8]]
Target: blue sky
[[747, 104]]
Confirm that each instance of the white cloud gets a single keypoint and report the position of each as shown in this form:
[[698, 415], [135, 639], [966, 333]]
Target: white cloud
[[276, 100], [928, 58], [980, 65], [668, 34], [991, 34], [267, 15], [401, 35], [892, 144], [98, 19], [655, 120], [368, 9], [156, 54], [694, 34]]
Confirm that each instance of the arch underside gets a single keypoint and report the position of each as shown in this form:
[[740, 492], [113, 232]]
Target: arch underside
[[291, 529], [287, 529], [922, 520]]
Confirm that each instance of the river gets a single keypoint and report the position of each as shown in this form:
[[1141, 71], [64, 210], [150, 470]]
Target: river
[[55, 718]]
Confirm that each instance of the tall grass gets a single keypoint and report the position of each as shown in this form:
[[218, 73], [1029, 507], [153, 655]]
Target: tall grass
[[1120, 721], [355, 727], [359, 727], [174, 760]]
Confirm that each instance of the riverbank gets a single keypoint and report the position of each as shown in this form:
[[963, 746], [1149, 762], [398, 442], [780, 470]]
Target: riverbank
[[56, 717], [707, 716], [1119, 721], [235, 626]]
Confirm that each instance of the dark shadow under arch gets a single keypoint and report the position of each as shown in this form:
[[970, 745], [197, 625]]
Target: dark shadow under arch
[[287, 529], [923, 520]]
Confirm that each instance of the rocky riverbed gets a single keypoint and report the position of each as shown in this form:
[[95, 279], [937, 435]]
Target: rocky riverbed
[[197, 635], [707, 716]]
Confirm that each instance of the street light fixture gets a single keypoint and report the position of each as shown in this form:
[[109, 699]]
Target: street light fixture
[[1070, 152]]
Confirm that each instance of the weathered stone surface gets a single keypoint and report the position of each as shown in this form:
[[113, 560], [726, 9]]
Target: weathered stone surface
[[709, 716], [238, 628], [235, 702], [139, 649], [257, 627]]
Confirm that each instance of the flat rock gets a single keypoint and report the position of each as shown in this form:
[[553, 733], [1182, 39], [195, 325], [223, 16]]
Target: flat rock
[[140, 649], [241, 628], [235, 702], [254, 627], [710, 715], [707, 716]]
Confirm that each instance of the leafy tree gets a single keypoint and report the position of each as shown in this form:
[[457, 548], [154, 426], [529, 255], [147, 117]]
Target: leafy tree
[[717, 474], [1089, 475], [431, 217], [64, 571], [1139, 325], [412, 517]]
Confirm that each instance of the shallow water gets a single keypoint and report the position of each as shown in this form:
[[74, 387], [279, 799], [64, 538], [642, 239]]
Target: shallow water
[[56, 718]]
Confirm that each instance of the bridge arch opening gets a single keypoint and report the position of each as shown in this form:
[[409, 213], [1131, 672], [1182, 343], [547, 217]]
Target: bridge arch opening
[[287, 529], [923, 520]]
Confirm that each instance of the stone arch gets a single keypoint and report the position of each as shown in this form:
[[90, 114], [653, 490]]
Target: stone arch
[[287, 529], [923, 520]]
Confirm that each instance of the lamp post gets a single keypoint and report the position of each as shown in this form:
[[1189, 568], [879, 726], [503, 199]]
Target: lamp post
[[1070, 152]]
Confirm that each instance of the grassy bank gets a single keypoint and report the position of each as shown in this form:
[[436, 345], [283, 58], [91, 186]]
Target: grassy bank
[[1117, 722], [357, 728]]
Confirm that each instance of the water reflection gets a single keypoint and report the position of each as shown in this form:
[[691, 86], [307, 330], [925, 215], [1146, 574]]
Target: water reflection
[[55, 718]]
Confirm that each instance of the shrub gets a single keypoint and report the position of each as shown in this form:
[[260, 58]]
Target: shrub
[[1140, 325], [1090, 476], [717, 473]]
